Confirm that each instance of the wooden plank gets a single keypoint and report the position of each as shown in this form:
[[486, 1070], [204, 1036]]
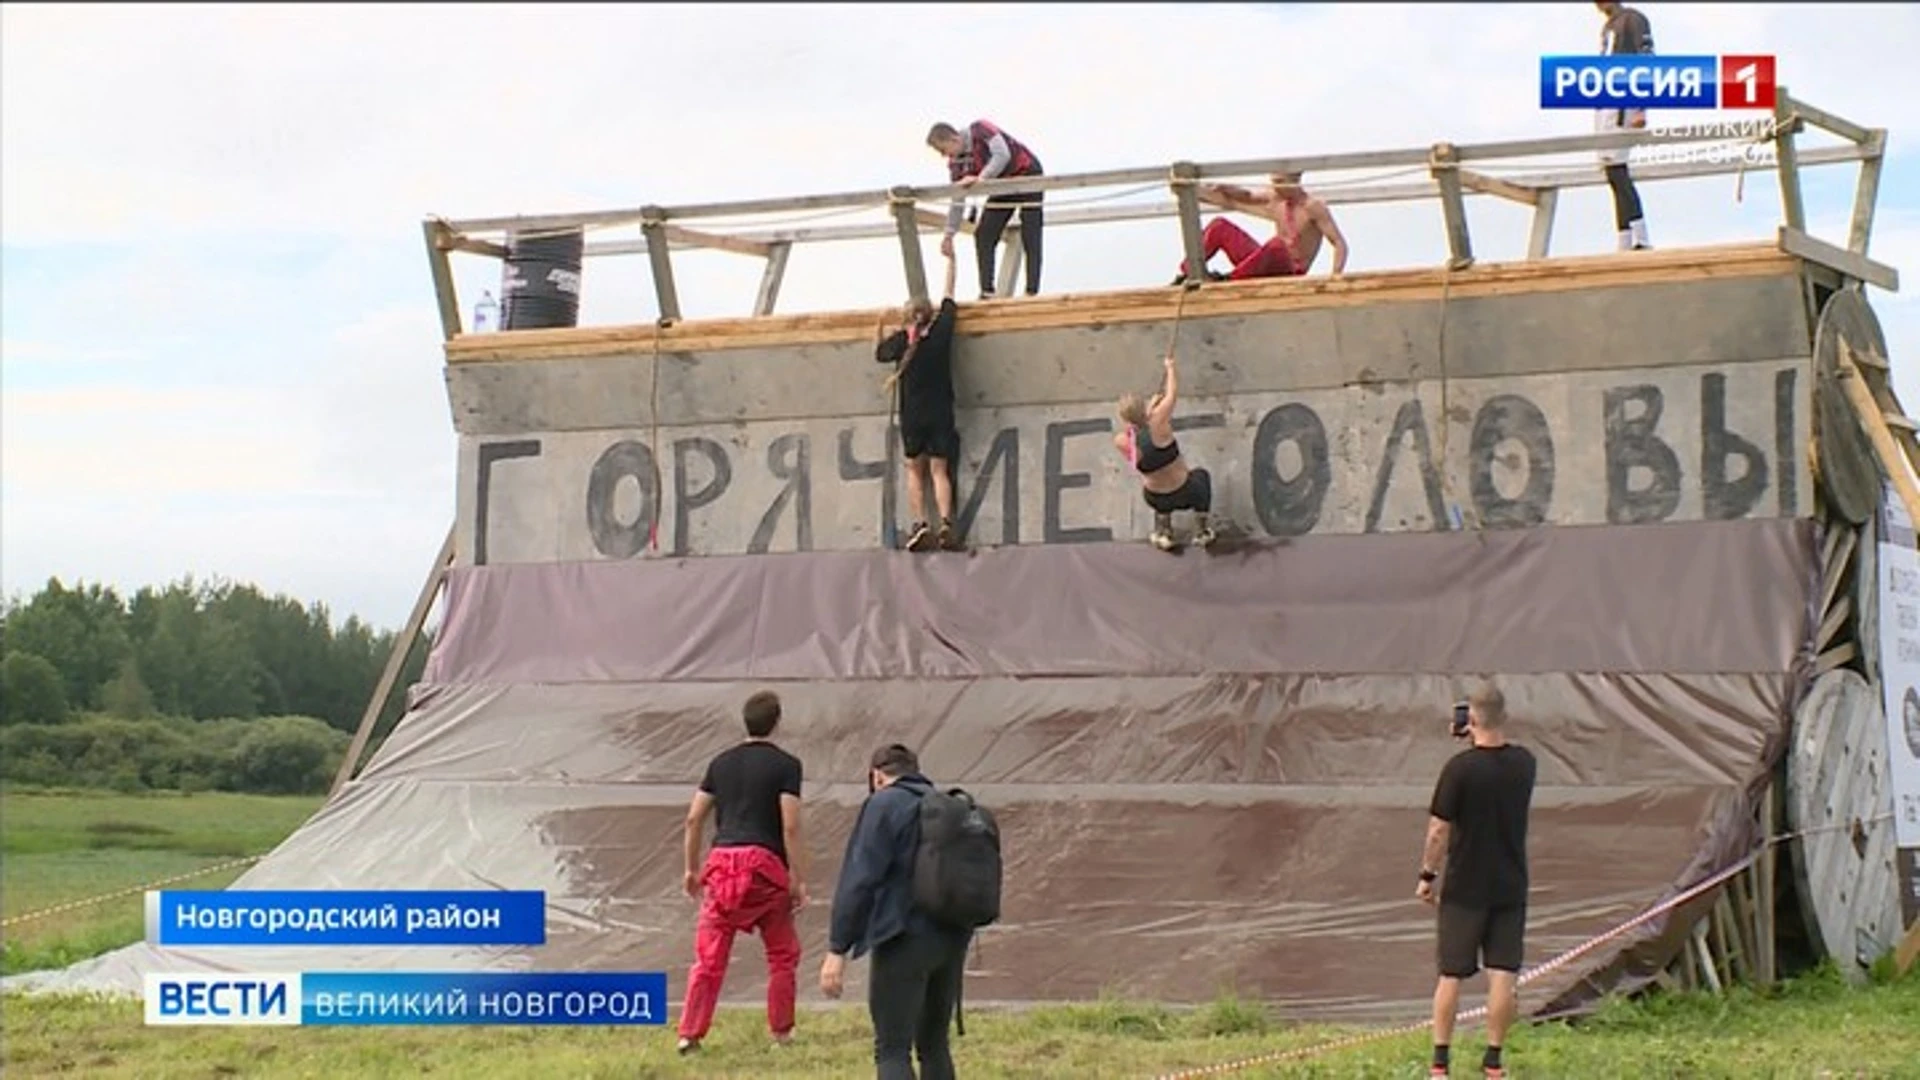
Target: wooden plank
[[1186, 197], [771, 277], [1544, 207], [1892, 458], [911, 256], [1854, 265], [1258, 296], [1841, 539], [1908, 950], [1505, 189], [396, 663], [739, 245], [1840, 126], [1836, 657], [1446, 173], [660, 256], [1708, 969], [1792, 207], [1837, 616], [477, 247], [1866, 192], [1767, 867], [438, 238]]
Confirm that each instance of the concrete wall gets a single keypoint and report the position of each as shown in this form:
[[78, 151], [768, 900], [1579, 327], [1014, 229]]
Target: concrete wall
[[1677, 400]]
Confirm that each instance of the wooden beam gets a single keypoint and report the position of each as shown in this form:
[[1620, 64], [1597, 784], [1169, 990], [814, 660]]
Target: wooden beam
[[1892, 459], [1186, 199], [437, 236], [1854, 265], [1794, 210], [739, 245], [477, 247], [396, 663], [911, 255], [1446, 172], [1506, 189], [1547, 202], [1908, 950], [770, 278], [660, 256], [1866, 192], [1821, 118]]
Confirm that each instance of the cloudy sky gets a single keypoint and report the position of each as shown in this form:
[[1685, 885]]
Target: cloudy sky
[[221, 352]]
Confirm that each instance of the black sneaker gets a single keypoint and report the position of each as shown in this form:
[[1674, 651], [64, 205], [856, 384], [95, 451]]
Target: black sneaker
[[947, 538], [921, 538]]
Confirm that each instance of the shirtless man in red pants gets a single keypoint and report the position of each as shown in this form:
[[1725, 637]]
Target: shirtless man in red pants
[[1300, 223]]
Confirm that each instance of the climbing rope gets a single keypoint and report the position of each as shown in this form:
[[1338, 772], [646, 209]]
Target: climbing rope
[[75, 905], [1454, 506], [1565, 958]]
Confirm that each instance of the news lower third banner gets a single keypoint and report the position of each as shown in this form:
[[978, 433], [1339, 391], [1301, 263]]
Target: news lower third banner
[[324, 917], [1657, 82], [385, 998]]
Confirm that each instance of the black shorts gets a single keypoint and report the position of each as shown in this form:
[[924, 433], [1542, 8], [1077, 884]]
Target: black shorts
[[1471, 936], [930, 436], [1196, 495]]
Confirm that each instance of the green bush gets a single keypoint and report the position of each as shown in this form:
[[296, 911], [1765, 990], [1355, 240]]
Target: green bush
[[271, 755], [31, 691]]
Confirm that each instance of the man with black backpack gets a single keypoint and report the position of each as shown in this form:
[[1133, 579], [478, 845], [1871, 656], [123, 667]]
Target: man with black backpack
[[921, 874]]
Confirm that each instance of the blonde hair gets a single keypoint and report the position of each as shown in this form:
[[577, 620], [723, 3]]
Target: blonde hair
[[1133, 409], [1490, 704]]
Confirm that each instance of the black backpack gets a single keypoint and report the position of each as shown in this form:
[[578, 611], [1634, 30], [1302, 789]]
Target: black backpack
[[956, 868]]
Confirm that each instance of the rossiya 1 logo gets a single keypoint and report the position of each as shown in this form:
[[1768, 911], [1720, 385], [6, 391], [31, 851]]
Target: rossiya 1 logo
[[1728, 81]]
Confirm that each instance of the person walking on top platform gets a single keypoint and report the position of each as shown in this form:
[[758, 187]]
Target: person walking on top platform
[[984, 152], [755, 876], [922, 352], [1625, 33], [1300, 221], [1148, 443]]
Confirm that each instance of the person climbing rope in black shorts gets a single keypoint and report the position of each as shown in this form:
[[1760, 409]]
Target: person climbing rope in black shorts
[[1167, 483], [922, 349]]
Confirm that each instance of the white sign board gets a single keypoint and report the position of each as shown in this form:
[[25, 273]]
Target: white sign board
[[1900, 682]]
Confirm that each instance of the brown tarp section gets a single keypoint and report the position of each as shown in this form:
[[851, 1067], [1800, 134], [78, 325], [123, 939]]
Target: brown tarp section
[[1212, 772]]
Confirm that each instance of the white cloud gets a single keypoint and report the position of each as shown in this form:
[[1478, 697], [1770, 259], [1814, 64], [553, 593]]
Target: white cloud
[[222, 205]]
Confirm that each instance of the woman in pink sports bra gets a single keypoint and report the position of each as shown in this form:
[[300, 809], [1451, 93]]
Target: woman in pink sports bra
[[1168, 484]]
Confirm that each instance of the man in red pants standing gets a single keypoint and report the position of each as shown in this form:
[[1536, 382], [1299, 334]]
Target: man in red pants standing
[[754, 879], [1300, 223]]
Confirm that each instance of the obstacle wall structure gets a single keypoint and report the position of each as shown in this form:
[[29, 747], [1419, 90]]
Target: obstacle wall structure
[[1589, 478]]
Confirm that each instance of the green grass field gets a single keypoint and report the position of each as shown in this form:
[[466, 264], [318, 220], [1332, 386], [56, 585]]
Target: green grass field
[[64, 847]]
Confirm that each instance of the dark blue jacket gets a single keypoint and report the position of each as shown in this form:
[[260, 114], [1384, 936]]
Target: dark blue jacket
[[873, 903]]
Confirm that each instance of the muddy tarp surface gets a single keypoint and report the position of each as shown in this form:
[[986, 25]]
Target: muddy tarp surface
[[1212, 773]]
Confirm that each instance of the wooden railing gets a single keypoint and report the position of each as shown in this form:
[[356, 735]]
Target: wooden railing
[[1450, 171]]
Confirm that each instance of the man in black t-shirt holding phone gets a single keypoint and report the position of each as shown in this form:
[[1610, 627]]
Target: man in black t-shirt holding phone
[[754, 879], [1478, 832]]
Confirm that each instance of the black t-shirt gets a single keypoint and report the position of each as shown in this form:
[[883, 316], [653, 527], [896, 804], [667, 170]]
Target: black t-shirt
[[927, 383], [1485, 795], [746, 783]]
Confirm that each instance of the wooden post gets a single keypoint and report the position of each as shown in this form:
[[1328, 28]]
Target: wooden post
[[1765, 881], [439, 239], [396, 663], [1010, 260], [1867, 192], [653, 226], [907, 224], [1186, 196], [1544, 205], [770, 278], [1784, 121], [1445, 167], [1892, 458]]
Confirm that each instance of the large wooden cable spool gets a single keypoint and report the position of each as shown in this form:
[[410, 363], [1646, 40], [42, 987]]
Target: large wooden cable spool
[[1849, 474], [1838, 785]]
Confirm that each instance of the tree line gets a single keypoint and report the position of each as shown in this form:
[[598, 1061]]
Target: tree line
[[190, 686]]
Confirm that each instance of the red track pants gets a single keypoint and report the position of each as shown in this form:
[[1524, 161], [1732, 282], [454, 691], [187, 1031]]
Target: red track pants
[[1250, 258], [744, 889]]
